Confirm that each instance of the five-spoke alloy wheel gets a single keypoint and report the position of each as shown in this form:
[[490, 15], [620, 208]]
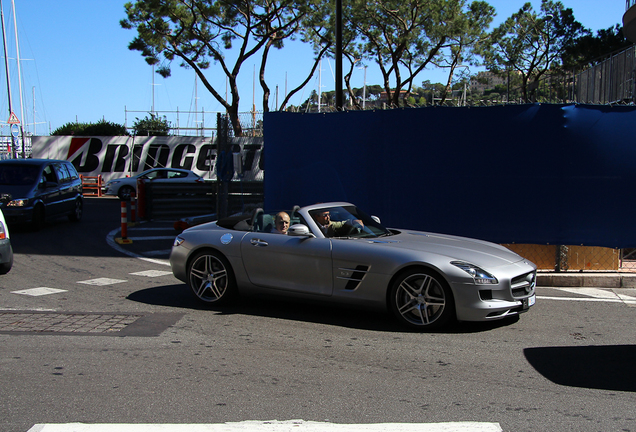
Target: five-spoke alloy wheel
[[421, 299], [210, 277]]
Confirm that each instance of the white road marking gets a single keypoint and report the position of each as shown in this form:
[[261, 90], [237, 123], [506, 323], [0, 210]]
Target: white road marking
[[41, 291], [151, 238], [152, 273], [165, 252], [591, 292], [102, 281], [110, 239], [593, 295], [583, 299], [152, 260], [273, 426]]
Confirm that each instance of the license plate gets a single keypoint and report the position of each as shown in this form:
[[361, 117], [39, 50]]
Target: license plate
[[529, 301]]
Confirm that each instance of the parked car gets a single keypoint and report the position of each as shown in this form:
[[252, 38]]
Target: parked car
[[122, 187], [38, 190], [425, 280], [6, 252]]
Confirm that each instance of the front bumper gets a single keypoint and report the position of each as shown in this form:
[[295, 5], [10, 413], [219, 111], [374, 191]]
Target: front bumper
[[18, 215], [514, 294]]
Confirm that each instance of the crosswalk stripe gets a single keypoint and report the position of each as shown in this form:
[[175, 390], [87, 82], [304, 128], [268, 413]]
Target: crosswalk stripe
[[273, 426]]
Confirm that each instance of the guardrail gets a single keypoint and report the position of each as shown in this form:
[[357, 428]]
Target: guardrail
[[91, 186], [173, 201]]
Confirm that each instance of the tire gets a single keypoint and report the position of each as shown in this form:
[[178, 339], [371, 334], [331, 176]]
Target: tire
[[420, 298], [124, 193], [6, 267], [37, 222], [78, 211], [211, 279]]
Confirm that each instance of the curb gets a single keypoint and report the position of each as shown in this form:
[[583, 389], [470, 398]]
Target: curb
[[579, 280]]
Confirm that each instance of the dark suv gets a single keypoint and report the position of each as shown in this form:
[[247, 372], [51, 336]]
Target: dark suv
[[37, 190]]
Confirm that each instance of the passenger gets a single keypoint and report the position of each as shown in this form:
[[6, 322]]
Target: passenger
[[281, 223], [333, 229]]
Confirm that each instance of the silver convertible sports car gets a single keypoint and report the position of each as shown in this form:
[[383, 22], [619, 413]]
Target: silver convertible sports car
[[335, 251]]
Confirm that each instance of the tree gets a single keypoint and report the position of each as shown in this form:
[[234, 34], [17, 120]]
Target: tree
[[151, 125], [586, 50], [101, 128], [404, 37], [201, 32], [531, 44]]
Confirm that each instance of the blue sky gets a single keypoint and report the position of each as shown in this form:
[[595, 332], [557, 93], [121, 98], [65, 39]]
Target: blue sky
[[76, 65]]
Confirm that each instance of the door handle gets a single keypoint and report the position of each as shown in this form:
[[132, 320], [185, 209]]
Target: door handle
[[259, 242]]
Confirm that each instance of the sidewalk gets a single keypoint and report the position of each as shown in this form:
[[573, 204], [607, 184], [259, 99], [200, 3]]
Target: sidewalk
[[586, 279]]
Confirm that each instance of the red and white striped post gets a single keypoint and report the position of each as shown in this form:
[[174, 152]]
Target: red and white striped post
[[124, 226], [133, 208]]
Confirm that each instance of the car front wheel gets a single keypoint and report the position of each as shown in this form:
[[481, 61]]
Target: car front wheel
[[38, 218], [211, 279], [421, 299]]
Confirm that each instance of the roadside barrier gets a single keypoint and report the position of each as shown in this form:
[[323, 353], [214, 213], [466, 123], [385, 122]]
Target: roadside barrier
[[124, 226], [91, 186]]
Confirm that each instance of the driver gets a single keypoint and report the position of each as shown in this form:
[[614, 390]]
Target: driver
[[331, 228]]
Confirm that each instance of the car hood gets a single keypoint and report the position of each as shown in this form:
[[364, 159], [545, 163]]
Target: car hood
[[17, 191], [478, 252]]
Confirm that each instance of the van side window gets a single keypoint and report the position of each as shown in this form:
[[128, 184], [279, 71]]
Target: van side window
[[72, 172], [49, 174], [62, 173]]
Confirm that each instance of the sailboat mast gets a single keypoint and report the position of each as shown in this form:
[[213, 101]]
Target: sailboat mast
[[17, 49], [6, 65]]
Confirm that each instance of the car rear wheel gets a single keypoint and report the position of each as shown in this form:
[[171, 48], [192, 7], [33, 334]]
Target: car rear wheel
[[78, 210], [420, 298], [124, 192], [211, 279]]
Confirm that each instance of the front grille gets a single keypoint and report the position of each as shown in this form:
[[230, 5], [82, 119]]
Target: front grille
[[523, 286]]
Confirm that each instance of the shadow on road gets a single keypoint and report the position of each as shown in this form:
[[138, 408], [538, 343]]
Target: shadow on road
[[278, 307], [608, 367]]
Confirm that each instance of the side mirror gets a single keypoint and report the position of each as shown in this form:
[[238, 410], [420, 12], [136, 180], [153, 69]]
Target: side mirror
[[299, 230], [377, 219]]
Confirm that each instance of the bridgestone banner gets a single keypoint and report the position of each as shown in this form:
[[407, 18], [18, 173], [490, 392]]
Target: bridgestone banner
[[120, 156]]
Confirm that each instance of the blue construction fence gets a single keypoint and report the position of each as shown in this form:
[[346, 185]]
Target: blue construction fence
[[529, 174]]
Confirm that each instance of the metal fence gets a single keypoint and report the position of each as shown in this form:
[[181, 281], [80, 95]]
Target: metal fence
[[203, 123], [608, 82], [577, 258]]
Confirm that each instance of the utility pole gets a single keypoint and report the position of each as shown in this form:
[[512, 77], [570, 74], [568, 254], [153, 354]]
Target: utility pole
[[339, 98]]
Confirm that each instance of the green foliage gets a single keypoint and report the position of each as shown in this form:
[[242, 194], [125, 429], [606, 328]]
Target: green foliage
[[588, 49], [201, 33], [101, 128], [531, 43], [403, 38], [151, 125]]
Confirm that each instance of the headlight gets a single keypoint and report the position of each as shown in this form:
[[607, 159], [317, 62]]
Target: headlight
[[481, 277], [18, 203], [178, 241]]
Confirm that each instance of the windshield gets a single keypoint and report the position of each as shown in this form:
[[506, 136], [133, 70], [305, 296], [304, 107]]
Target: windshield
[[347, 221], [19, 175]]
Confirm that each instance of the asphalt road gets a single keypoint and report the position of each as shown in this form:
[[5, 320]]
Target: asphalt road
[[91, 332]]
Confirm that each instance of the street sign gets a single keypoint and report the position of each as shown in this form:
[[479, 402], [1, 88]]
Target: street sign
[[13, 119], [15, 130]]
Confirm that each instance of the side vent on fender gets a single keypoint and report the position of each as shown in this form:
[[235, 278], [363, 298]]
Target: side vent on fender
[[352, 276]]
